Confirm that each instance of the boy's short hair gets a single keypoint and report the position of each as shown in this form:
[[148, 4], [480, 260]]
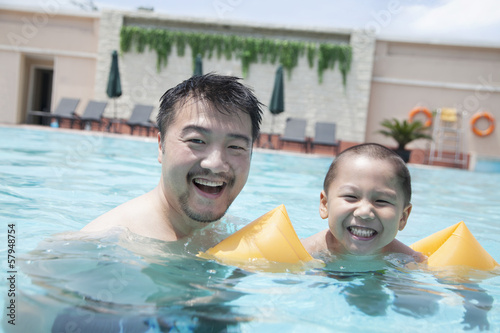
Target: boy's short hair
[[226, 94], [376, 151]]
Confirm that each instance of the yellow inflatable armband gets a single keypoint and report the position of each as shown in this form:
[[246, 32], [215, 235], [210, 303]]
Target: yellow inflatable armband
[[455, 246], [270, 237]]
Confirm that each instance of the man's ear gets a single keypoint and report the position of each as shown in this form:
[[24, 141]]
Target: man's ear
[[160, 148], [404, 217], [323, 205]]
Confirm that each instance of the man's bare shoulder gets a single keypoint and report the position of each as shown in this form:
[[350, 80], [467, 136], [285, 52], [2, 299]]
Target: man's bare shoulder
[[126, 215]]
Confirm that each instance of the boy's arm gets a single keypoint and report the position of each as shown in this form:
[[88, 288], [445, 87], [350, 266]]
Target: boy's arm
[[397, 247], [316, 243]]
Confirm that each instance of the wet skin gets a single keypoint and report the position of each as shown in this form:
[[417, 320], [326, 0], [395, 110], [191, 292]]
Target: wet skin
[[364, 206], [205, 159]]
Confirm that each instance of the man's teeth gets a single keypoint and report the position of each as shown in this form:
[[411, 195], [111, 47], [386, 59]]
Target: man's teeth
[[208, 182], [362, 232]]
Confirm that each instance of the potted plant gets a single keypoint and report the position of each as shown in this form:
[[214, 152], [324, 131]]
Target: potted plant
[[404, 132]]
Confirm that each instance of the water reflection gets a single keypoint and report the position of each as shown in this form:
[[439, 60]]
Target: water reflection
[[125, 282], [397, 288], [101, 285]]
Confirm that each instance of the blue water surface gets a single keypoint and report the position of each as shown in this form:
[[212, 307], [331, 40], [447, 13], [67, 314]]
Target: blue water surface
[[53, 182]]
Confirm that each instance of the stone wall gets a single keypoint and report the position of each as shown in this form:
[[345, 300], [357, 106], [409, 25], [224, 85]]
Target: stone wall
[[305, 97]]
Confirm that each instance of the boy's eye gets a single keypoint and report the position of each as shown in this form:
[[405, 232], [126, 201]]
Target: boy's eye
[[383, 202], [199, 141]]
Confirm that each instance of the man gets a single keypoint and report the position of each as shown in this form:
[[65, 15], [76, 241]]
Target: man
[[207, 128]]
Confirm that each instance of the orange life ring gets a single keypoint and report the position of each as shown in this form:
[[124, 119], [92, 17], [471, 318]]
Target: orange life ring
[[486, 115], [425, 111]]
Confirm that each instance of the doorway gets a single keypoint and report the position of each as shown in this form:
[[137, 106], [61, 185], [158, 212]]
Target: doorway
[[41, 93]]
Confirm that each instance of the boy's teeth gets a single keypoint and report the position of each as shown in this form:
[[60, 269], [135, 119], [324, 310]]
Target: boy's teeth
[[362, 232], [208, 182]]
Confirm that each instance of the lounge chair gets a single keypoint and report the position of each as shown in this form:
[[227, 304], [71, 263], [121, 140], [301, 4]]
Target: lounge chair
[[93, 113], [295, 131], [324, 134], [64, 110], [140, 117]]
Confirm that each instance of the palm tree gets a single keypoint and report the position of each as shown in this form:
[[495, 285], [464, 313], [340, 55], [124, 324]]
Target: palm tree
[[404, 132]]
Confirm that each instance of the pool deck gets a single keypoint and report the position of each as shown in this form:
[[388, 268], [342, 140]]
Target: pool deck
[[122, 130]]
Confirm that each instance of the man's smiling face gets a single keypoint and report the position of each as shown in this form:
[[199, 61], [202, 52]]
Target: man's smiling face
[[205, 159]]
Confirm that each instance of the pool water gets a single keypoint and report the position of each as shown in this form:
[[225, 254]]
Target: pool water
[[486, 164], [52, 183]]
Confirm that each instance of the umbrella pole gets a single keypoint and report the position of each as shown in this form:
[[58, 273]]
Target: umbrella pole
[[269, 137], [112, 122], [114, 117]]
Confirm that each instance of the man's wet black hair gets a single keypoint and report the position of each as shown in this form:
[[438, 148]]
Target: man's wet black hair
[[225, 94]]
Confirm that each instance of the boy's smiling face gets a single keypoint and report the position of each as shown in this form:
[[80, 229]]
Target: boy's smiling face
[[364, 205]]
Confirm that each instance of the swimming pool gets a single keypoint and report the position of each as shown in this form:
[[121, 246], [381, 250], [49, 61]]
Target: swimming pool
[[486, 164], [55, 182]]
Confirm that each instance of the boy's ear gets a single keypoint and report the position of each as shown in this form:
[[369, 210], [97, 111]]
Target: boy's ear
[[323, 205], [404, 217]]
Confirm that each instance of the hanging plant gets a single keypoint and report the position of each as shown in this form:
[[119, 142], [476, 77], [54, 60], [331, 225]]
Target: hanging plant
[[180, 43], [311, 54], [345, 59], [328, 55], [161, 42], [290, 53], [249, 49]]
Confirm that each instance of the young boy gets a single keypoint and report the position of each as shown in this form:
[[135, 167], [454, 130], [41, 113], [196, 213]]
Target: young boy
[[366, 198]]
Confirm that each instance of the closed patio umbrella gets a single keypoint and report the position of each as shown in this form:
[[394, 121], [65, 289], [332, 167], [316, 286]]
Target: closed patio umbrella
[[277, 104], [114, 88], [198, 66]]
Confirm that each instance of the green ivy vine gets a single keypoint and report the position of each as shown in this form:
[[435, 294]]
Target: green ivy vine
[[249, 49]]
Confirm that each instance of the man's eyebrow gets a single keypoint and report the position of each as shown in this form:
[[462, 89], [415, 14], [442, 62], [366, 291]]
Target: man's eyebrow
[[205, 131], [194, 128]]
